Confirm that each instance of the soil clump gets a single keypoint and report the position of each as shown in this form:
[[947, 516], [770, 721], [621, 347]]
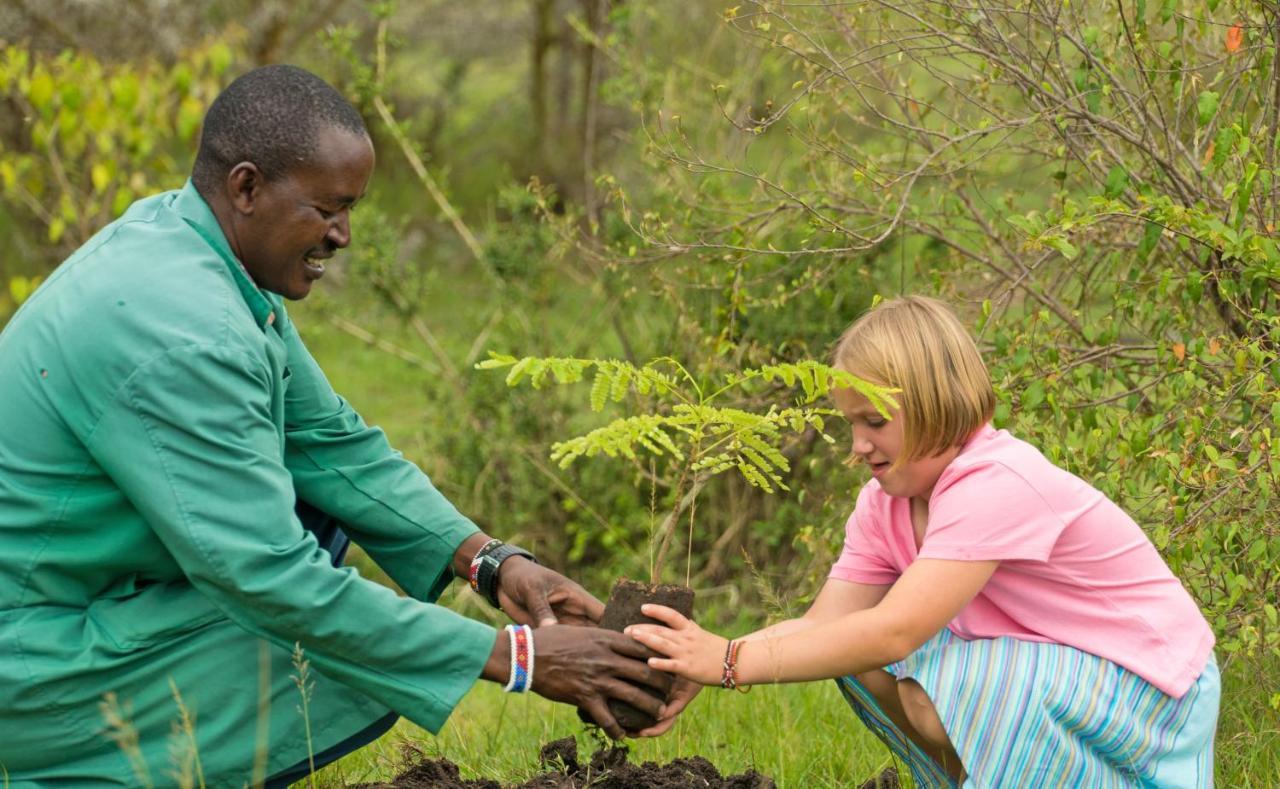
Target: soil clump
[[623, 609], [608, 768]]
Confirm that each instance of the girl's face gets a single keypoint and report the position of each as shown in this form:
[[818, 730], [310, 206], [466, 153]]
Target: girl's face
[[878, 443]]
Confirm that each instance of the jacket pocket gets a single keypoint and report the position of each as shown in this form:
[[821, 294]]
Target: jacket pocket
[[156, 614]]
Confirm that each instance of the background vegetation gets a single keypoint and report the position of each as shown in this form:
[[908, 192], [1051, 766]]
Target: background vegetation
[[1093, 185]]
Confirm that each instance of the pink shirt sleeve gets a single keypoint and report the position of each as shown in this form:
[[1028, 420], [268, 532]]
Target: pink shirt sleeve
[[989, 512], [866, 556]]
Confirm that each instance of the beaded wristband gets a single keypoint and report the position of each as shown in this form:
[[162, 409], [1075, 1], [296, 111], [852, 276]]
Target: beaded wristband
[[486, 565], [521, 637], [729, 681], [473, 577]]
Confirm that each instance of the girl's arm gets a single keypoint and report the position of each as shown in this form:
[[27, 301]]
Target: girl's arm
[[835, 599], [927, 596]]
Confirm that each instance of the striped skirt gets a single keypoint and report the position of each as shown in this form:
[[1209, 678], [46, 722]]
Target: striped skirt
[[1023, 714]]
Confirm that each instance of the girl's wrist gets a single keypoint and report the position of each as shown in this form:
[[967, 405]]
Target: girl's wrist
[[730, 677]]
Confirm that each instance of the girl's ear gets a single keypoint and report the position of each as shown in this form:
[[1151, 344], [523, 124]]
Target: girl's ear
[[244, 185]]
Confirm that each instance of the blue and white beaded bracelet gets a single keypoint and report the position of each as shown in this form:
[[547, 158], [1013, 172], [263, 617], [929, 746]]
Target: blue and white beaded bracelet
[[521, 637]]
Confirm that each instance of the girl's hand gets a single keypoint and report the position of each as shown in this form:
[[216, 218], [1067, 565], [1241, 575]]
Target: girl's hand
[[691, 652]]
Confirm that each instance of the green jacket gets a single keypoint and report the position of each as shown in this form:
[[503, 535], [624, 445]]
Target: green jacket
[[158, 417]]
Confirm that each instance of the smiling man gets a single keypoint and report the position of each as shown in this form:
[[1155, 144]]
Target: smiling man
[[178, 480]]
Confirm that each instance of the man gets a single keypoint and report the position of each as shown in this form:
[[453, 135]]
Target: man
[[173, 468]]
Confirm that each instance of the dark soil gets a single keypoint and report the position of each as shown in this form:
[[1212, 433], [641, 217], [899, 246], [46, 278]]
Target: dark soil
[[608, 769], [623, 609]]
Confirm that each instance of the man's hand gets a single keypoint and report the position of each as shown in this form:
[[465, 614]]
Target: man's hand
[[682, 692], [585, 667], [539, 596]]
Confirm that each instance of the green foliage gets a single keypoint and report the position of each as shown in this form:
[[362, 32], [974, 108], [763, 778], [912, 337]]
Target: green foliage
[[93, 137], [690, 429], [1112, 210], [97, 136], [686, 427]]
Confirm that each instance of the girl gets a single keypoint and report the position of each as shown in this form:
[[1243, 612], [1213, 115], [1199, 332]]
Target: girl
[[994, 619]]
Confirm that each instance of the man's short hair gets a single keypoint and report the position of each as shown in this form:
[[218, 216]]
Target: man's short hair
[[917, 345], [271, 116]]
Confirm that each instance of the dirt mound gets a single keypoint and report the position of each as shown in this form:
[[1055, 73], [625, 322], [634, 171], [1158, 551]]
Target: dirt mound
[[608, 769]]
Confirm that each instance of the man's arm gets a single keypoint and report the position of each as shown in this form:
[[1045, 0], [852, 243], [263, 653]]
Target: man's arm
[[390, 508], [190, 440]]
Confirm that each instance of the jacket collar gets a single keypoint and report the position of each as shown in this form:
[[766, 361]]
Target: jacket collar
[[196, 213]]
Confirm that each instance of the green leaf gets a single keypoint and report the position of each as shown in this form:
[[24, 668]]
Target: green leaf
[[1060, 243], [40, 93], [1195, 287], [518, 370], [1030, 224], [219, 57], [621, 381], [190, 114], [1207, 106], [1033, 395], [100, 174], [600, 388], [57, 227], [1093, 100], [125, 90], [1222, 144], [754, 477], [1150, 238], [496, 360], [19, 289], [1117, 182], [1167, 9]]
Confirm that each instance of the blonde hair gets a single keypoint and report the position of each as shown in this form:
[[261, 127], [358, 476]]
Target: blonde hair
[[917, 345]]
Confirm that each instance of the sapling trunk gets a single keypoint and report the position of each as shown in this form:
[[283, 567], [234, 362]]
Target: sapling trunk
[[668, 528]]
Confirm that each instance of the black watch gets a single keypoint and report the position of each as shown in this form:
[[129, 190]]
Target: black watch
[[487, 575]]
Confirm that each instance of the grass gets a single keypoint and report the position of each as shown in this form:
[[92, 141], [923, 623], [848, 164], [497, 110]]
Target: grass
[[800, 735]]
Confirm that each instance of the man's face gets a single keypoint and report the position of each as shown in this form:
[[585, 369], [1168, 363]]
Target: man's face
[[301, 218]]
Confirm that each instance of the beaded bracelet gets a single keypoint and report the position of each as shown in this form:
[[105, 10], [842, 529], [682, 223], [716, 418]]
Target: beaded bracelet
[[521, 637], [473, 577], [729, 681], [483, 572]]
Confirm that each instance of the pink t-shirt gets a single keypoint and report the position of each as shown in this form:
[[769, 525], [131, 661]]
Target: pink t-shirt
[[1074, 568]]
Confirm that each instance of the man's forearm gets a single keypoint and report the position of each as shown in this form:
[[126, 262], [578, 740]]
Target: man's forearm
[[498, 667], [466, 552]]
